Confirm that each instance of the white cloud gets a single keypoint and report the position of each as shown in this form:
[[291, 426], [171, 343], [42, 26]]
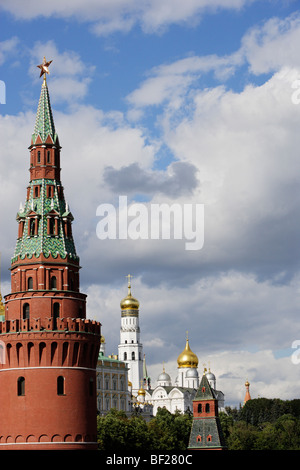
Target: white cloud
[[106, 16], [266, 48], [71, 76], [169, 82], [274, 45], [8, 48]]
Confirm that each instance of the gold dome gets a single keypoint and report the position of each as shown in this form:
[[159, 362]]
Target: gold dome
[[129, 302], [102, 339], [187, 358], [141, 392]]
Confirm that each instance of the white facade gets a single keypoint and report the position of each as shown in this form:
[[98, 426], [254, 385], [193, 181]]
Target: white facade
[[112, 384], [187, 377], [130, 349], [180, 396], [172, 398]]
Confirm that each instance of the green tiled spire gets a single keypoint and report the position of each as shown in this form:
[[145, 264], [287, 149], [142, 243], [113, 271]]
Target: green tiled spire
[[44, 123], [40, 208], [44, 208]]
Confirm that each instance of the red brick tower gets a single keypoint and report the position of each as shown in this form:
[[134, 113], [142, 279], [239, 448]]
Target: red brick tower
[[48, 369]]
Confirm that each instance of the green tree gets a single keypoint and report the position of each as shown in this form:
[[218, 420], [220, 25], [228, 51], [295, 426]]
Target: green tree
[[242, 436], [226, 421], [161, 429], [263, 410], [182, 428], [288, 428], [137, 434], [111, 430]]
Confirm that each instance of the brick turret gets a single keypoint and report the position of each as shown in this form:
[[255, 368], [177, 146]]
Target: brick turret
[[206, 432], [49, 350]]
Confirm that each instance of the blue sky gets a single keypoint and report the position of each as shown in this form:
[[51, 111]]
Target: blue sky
[[175, 102]]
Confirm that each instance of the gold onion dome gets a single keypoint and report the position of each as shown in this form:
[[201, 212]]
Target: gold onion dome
[[141, 391], [102, 340], [129, 302], [187, 358]]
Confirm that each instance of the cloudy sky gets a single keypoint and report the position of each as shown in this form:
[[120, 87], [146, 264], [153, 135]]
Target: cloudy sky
[[164, 101]]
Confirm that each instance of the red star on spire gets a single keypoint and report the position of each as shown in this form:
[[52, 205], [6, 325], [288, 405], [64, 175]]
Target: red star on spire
[[44, 67]]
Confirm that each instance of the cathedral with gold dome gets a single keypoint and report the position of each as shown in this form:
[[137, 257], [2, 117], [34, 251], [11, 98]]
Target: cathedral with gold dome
[[177, 395], [180, 395]]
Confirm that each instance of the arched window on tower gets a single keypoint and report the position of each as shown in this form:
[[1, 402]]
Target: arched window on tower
[[21, 386], [199, 408], [133, 355], [125, 356], [26, 311], [39, 157], [48, 156], [53, 283], [30, 283], [207, 408]]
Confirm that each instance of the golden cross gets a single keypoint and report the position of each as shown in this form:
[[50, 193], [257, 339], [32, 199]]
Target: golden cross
[[129, 276]]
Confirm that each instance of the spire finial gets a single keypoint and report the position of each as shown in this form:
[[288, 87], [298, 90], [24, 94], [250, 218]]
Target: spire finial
[[44, 68], [129, 277]]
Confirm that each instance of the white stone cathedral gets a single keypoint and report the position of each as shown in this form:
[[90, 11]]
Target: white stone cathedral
[[177, 396], [180, 395]]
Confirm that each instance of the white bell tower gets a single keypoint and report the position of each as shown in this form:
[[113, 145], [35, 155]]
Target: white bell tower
[[130, 349]]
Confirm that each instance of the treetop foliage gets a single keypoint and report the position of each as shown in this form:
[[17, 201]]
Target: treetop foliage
[[261, 424]]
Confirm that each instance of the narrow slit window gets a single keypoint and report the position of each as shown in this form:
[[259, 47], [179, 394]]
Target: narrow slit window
[[53, 283], [60, 385], [21, 386], [26, 311], [91, 387]]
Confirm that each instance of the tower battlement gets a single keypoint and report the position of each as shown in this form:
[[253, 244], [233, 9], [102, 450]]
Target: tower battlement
[[50, 324]]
